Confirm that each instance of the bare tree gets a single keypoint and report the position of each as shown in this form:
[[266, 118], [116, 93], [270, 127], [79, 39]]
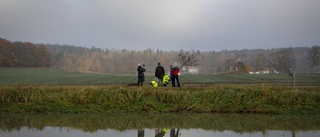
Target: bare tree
[[229, 63], [187, 58], [283, 60], [313, 57], [259, 62]]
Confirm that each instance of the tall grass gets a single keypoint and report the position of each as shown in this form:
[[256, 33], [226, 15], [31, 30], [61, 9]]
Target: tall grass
[[217, 99]]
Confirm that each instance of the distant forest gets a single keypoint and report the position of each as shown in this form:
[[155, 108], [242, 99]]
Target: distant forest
[[122, 61]]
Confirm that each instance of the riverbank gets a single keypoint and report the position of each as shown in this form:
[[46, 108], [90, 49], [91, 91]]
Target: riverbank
[[115, 99], [238, 123]]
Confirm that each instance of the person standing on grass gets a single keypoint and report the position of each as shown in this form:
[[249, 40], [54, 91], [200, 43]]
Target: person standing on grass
[[175, 75], [171, 75], [159, 73], [141, 71]]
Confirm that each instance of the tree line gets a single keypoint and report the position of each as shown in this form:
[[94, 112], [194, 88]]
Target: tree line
[[23, 54], [123, 61]]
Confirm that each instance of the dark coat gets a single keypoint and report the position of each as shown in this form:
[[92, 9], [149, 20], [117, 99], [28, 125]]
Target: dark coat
[[141, 71], [159, 72]]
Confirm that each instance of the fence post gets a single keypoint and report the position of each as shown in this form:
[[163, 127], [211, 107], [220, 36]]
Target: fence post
[[292, 73], [293, 78]]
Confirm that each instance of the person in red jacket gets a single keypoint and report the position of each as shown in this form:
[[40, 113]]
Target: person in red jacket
[[175, 75]]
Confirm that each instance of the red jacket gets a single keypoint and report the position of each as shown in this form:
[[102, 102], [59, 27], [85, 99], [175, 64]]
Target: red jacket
[[175, 71]]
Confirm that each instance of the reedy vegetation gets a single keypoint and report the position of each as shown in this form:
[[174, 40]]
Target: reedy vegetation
[[116, 99]]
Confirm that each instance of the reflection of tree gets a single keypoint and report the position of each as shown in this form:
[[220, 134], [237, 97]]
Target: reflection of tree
[[173, 132], [140, 133]]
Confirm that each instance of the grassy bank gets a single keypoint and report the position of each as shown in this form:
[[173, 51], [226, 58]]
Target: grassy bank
[[217, 99]]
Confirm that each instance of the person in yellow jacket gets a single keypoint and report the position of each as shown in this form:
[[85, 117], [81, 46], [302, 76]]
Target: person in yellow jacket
[[153, 83], [166, 81]]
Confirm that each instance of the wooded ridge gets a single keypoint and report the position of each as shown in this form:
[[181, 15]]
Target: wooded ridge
[[122, 61]]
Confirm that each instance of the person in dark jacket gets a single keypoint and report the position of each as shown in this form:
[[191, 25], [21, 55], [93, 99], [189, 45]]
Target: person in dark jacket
[[159, 73], [171, 73], [141, 71]]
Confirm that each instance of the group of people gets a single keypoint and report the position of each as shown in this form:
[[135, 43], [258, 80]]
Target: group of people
[[162, 79]]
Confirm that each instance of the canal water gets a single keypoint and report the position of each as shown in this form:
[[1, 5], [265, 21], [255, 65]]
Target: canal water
[[158, 125]]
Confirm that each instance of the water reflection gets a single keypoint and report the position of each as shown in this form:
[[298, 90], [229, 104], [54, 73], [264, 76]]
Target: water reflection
[[174, 133], [164, 125], [140, 133]]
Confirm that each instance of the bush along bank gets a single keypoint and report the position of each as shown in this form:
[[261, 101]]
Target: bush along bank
[[113, 99]]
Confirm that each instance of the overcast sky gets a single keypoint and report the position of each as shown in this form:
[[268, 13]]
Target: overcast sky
[[163, 24]]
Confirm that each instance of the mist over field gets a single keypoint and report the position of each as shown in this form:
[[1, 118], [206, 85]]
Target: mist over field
[[123, 61]]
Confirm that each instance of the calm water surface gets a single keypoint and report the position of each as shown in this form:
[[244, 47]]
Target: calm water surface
[[164, 125]]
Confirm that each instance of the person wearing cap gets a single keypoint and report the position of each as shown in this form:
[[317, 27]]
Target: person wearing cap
[[159, 73], [141, 71], [175, 75]]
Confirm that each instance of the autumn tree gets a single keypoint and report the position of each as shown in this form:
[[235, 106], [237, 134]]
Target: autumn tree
[[23, 54], [230, 60], [28, 54], [313, 57], [7, 56], [45, 56], [283, 59], [117, 61]]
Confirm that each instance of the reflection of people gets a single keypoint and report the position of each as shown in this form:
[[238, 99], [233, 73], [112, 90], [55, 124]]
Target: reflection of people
[[141, 71], [161, 133], [173, 132], [175, 75], [140, 133], [159, 73]]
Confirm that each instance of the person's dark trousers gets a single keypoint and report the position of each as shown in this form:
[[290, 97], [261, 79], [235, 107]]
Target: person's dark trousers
[[174, 81], [139, 83]]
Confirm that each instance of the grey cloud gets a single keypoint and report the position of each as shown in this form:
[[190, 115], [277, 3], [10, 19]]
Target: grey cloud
[[165, 24]]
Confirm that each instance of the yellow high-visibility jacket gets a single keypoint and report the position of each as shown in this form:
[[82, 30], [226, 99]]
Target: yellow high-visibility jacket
[[154, 83]]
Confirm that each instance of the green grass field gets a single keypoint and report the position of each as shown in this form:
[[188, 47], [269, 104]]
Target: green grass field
[[58, 91], [14, 76]]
